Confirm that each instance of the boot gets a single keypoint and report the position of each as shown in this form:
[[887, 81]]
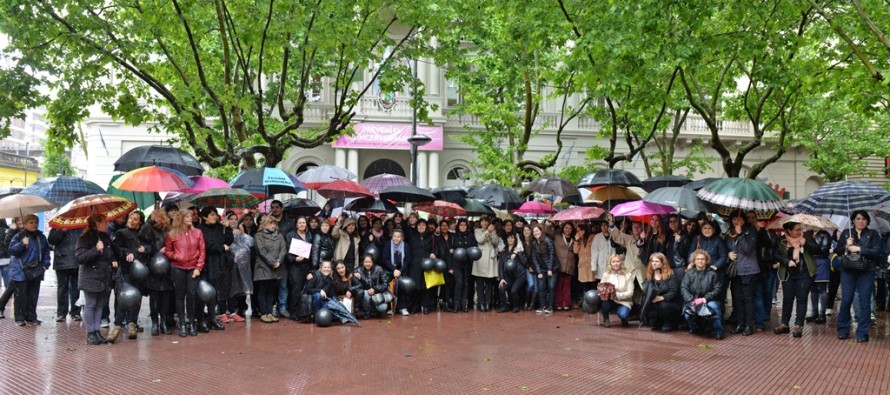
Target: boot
[[113, 334], [154, 327], [183, 329], [820, 319], [131, 330], [163, 328], [193, 328], [201, 326], [216, 324]]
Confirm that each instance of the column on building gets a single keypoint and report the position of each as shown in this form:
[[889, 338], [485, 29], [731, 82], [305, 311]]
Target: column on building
[[434, 170], [340, 157], [422, 170], [352, 161]]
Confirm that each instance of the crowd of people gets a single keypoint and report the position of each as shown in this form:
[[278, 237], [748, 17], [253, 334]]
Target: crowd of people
[[667, 272]]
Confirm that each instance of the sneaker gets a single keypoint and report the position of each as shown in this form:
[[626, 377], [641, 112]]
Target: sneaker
[[266, 318], [828, 311], [273, 318], [284, 314], [235, 317], [548, 311], [404, 312], [539, 311], [77, 317], [104, 324], [224, 319], [60, 318]]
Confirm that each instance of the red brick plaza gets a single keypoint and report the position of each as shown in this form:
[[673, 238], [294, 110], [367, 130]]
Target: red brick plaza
[[441, 353]]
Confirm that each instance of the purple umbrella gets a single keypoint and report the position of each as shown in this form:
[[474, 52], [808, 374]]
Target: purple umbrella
[[380, 182]]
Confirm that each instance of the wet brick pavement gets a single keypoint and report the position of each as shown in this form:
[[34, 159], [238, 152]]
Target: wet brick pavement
[[442, 353]]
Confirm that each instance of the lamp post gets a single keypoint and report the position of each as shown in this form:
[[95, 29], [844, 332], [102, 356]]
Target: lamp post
[[416, 140]]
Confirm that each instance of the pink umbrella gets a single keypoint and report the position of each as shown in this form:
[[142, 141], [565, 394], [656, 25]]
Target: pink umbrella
[[265, 207], [203, 183], [535, 207], [641, 208], [578, 214]]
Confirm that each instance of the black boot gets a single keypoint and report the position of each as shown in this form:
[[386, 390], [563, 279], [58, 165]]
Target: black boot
[[201, 326], [183, 329], [163, 328], [216, 324], [154, 327]]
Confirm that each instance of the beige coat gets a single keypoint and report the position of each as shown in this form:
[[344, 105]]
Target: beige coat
[[343, 242], [487, 266], [565, 254], [624, 286], [632, 257], [584, 249], [600, 251]]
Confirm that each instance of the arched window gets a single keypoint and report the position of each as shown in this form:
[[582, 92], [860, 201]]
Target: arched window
[[305, 166], [381, 166], [458, 173]]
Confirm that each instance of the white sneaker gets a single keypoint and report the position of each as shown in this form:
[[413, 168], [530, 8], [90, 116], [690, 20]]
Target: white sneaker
[[548, 311], [404, 312], [539, 311], [828, 312]]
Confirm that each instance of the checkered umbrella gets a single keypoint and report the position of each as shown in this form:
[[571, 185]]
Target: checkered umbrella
[[380, 182], [741, 193], [62, 189], [842, 198], [74, 215], [225, 198]]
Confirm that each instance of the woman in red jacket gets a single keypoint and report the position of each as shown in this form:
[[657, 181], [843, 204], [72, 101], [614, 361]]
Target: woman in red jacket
[[185, 250]]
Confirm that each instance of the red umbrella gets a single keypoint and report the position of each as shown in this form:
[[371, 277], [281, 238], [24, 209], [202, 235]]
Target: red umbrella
[[578, 214], [341, 189], [535, 207], [441, 208], [74, 214], [153, 179]]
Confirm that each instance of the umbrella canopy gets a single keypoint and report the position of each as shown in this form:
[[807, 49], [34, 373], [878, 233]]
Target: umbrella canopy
[[143, 200], [319, 176], [62, 189], [610, 177], [380, 182], [578, 214], [371, 205], [441, 208], [641, 208], [474, 207], [653, 183], [9, 191], [181, 200], [225, 198], [450, 194], [534, 207], [612, 193], [19, 205], [153, 179], [263, 182], [203, 183], [74, 215], [300, 207], [808, 221], [699, 184], [159, 155], [553, 185], [407, 193], [496, 196], [842, 198], [341, 189], [678, 197], [741, 193]]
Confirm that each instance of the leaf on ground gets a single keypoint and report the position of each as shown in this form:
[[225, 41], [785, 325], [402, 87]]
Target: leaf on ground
[[487, 359], [565, 375], [706, 347], [523, 388], [410, 336], [797, 387], [567, 348]]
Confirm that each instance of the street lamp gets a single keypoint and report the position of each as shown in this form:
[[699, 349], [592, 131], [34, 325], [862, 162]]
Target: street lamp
[[416, 140]]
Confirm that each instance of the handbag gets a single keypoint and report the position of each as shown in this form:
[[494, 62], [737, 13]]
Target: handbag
[[854, 261], [33, 270], [701, 310]]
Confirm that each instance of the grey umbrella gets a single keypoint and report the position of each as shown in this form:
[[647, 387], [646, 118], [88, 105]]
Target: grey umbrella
[[553, 185], [653, 183], [159, 155], [610, 177], [496, 196], [679, 197], [450, 194]]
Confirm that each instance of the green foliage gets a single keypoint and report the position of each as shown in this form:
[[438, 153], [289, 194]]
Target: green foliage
[[226, 173], [56, 162]]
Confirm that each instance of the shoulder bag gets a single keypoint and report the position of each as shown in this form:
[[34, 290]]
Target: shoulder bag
[[854, 261], [34, 269]]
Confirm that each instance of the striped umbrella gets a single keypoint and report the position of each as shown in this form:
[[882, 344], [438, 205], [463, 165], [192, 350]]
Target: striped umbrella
[[842, 198], [741, 193], [380, 182], [74, 215], [225, 198], [62, 189], [153, 179]]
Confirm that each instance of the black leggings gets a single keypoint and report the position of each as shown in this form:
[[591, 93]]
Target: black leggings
[[159, 304], [185, 290], [513, 290]]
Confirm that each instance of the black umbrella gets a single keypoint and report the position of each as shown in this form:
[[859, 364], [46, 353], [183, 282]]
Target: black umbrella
[[653, 183], [699, 184], [676, 197], [301, 207], [407, 193], [340, 312], [474, 207], [553, 185], [371, 205], [160, 155], [610, 177], [450, 194], [497, 196]]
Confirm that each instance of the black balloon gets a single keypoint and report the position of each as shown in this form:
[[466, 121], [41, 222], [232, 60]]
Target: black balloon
[[373, 252], [511, 266], [324, 254], [323, 317], [459, 255], [159, 266], [383, 307], [427, 264], [406, 284], [206, 292], [138, 270], [129, 297], [440, 266], [591, 302], [474, 253]]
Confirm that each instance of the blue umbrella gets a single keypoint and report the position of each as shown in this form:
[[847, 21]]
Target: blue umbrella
[[62, 189], [264, 182]]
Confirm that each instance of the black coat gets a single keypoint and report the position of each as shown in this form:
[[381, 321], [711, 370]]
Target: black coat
[[442, 249], [4, 244], [544, 258], [700, 284], [322, 249], [375, 279], [95, 266], [64, 242], [386, 260], [320, 283], [126, 241], [154, 240], [216, 238], [421, 248], [504, 256], [352, 284], [870, 243]]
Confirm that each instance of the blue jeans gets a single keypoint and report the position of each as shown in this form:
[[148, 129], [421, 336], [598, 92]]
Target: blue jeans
[[546, 291], [609, 306], [317, 301], [717, 323], [862, 283], [531, 282], [4, 272], [282, 294]]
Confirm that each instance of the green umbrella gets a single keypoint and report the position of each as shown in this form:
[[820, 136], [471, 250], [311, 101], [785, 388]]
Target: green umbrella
[[474, 207], [142, 199], [741, 193]]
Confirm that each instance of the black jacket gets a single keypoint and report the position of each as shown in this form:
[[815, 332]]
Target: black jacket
[[386, 260], [320, 283], [64, 242], [700, 284], [95, 267], [504, 256], [544, 258], [4, 244], [322, 249], [869, 241], [375, 279], [153, 240], [216, 238], [351, 284], [126, 241], [442, 248]]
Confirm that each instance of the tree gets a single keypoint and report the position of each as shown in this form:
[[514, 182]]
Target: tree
[[667, 163], [507, 69], [231, 78], [56, 161]]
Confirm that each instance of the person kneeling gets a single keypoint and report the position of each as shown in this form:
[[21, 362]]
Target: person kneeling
[[616, 291], [701, 290], [373, 295], [661, 305]]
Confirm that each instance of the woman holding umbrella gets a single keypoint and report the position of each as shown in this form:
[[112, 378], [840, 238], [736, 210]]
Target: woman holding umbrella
[[28, 248], [348, 241], [867, 243], [153, 236], [184, 247], [94, 254]]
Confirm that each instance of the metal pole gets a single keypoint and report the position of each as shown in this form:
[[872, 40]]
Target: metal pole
[[414, 124], [25, 164]]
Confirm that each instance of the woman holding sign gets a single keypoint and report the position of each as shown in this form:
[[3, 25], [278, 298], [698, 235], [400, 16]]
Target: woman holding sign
[[298, 266]]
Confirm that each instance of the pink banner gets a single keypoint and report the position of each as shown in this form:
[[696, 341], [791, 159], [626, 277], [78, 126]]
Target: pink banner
[[392, 136]]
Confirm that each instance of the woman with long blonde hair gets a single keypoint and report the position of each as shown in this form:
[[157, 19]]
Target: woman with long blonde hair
[[617, 291], [661, 305], [184, 247]]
